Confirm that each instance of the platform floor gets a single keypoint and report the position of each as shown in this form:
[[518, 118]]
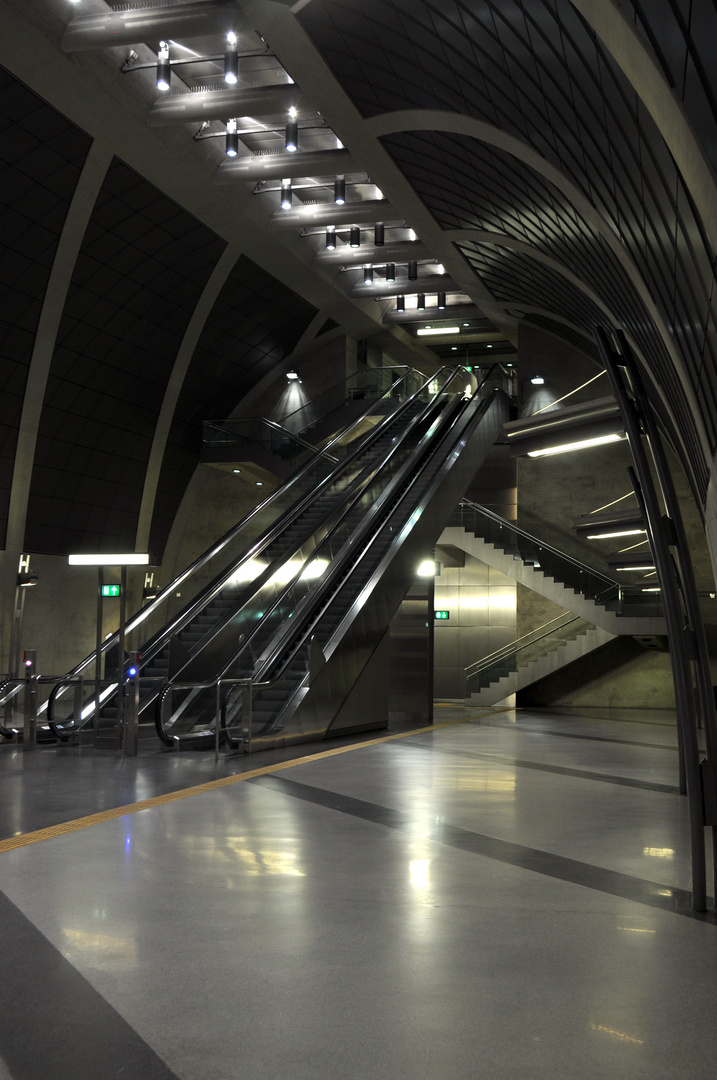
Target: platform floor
[[504, 896]]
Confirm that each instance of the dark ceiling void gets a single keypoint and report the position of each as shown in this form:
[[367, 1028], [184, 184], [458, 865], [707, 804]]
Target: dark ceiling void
[[255, 322], [538, 72], [41, 157], [142, 267]]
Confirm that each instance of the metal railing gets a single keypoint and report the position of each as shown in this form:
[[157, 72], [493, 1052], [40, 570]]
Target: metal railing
[[524, 650], [564, 568]]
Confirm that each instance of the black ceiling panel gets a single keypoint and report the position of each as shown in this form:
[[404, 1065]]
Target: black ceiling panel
[[42, 155], [255, 322], [537, 71], [132, 294]]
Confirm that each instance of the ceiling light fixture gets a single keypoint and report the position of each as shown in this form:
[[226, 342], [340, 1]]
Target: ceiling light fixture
[[340, 191], [286, 194], [537, 380], [412, 270], [232, 140], [354, 236], [441, 301], [421, 302], [291, 140], [231, 60], [435, 331], [379, 234], [331, 238], [400, 303], [579, 444], [292, 376], [164, 73], [368, 275], [390, 271]]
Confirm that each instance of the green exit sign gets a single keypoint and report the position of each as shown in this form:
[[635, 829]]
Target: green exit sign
[[442, 616], [111, 590]]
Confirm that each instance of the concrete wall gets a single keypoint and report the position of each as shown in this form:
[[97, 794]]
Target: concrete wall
[[620, 674]]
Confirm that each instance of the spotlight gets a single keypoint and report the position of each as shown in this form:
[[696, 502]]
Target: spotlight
[[378, 235], [368, 275], [232, 141], [331, 238], [412, 270], [231, 60], [390, 271], [286, 194], [340, 191], [164, 74], [537, 380], [421, 302], [292, 376], [400, 303], [291, 142], [354, 236], [441, 301]]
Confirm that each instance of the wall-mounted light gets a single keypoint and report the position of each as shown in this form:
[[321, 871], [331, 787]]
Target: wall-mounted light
[[232, 141], [537, 380], [291, 140], [354, 236], [440, 268], [400, 303], [231, 60], [427, 568], [561, 431], [339, 190], [610, 526], [331, 238], [412, 270], [292, 376], [286, 194], [378, 234], [27, 578], [164, 72], [390, 271], [368, 275]]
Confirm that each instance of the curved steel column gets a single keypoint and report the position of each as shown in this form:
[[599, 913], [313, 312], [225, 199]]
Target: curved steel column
[[657, 526]]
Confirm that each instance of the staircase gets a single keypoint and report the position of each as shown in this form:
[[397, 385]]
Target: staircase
[[551, 573], [532, 657]]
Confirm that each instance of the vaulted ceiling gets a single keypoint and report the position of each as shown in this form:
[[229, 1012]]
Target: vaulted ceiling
[[505, 162]]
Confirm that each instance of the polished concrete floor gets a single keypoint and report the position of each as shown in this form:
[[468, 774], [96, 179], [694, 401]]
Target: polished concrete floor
[[504, 897]]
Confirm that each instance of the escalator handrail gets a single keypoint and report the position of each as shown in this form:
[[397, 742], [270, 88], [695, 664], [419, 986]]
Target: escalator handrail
[[154, 644], [355, 548], [345, 509], [203, 559]]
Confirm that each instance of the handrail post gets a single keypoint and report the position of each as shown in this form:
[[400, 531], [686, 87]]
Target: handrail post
[[217, 718], [29, 729]]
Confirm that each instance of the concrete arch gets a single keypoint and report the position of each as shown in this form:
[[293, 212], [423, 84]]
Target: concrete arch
[[202, 310], [639, 68], [73, 232]]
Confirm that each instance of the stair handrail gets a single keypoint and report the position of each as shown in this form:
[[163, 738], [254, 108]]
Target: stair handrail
[[514, 647], [610, 583]]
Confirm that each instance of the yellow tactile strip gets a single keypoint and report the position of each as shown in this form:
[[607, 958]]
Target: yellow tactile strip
[[37, 837]]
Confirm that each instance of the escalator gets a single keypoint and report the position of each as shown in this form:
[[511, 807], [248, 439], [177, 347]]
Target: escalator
[[245, 571], [314, 654]]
